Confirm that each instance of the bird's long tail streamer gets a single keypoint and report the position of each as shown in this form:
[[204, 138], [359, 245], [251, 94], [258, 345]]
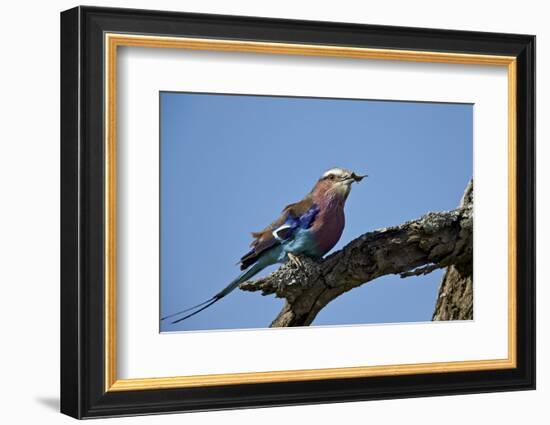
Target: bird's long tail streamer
[[243, 277]]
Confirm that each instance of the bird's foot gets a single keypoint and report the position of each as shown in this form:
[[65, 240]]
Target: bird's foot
[[295, 260]]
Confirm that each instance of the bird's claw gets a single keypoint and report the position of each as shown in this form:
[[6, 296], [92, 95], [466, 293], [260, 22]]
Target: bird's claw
[[295, 260]]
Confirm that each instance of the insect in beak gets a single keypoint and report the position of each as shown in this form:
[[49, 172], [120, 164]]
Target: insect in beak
[[357, 178]]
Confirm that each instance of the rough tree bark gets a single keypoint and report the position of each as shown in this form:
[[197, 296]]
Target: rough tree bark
[[433, 241], [456, 293]]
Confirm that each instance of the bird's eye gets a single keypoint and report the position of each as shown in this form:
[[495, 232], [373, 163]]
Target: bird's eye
[[331, 177]]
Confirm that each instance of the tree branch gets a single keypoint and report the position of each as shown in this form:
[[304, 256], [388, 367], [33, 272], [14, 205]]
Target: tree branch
[[433, 241], [456, 293]]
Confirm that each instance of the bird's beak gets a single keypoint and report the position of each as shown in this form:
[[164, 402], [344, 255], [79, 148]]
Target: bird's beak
[[357, 178]]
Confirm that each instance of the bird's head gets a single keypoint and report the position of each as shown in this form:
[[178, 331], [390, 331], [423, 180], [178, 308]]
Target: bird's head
[[337, 181]]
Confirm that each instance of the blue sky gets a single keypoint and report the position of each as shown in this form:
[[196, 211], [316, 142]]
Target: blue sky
[[230, 163]]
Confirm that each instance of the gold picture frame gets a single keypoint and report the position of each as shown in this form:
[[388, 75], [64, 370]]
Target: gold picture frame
[[114, 41]]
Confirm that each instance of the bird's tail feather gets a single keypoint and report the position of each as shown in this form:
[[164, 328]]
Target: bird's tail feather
[[243, 277]]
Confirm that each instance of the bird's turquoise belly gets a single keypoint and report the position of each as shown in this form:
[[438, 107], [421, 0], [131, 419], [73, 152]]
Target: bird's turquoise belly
[[302, 243]]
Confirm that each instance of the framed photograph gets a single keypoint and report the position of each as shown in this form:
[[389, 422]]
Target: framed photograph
[[261, 212]]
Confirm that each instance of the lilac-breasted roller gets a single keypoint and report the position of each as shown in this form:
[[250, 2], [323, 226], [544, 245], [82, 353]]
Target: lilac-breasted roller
[[309, 227]]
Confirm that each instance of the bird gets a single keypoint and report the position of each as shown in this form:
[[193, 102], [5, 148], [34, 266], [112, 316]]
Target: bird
[[310, 227]]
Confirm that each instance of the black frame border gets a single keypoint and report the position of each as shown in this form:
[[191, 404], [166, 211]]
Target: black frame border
[[82, 220]]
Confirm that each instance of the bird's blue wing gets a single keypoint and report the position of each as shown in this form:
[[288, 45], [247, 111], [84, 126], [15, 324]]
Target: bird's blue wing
[[293, 223], [307, 219], [295, 216]]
